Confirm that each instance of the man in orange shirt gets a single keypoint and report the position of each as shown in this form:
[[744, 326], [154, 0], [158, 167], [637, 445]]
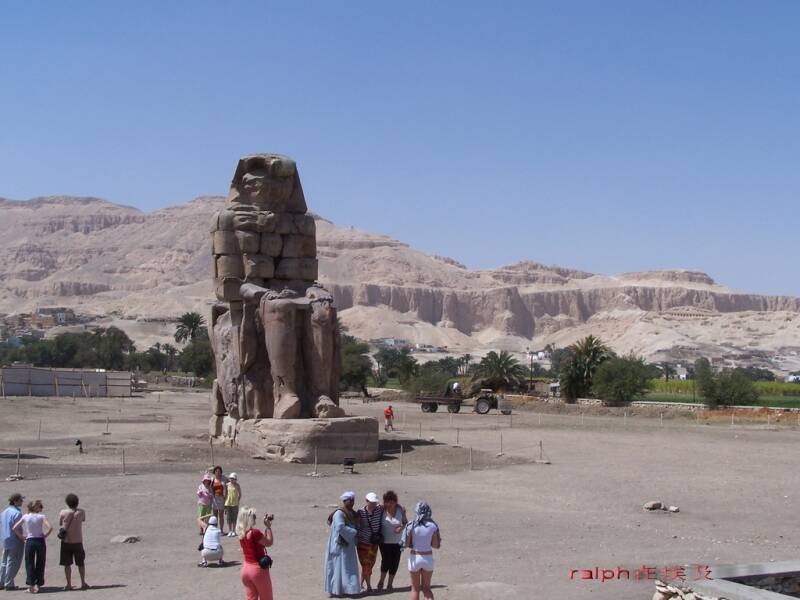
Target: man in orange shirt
[[388, 416]]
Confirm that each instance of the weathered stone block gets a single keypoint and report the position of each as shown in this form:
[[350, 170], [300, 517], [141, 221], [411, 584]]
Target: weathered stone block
[[258, 265], [230, 266], [299, 246], [297, 268], [271, 244], [227, 289], [294, 440], [284, 223], [305, 225], [214, 225], [245, 221], [266, 222], [225, 220], [248, 242], [224, 242]]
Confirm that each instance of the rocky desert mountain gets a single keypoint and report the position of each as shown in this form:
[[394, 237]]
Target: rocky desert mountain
[[140, 270]]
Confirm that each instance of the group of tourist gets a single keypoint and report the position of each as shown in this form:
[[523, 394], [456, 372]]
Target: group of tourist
[[356, 537], [218, 498], [25, 535]]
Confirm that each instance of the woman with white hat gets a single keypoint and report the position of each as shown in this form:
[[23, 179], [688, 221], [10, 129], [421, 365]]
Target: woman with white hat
[[341, 561], [421, 536], [370, 519]]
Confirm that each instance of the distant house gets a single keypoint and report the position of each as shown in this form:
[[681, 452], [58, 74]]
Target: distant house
[[792, 379], [681, 372]]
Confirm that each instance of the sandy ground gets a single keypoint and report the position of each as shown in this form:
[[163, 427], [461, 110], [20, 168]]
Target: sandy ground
[[512, 529]]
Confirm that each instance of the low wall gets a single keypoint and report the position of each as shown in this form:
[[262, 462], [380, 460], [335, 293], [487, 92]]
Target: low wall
[[37, 381]]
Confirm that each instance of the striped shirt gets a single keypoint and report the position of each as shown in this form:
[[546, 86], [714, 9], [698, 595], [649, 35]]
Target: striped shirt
[[369, 523]]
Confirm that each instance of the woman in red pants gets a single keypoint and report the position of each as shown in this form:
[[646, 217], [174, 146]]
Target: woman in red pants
[[254, 543]]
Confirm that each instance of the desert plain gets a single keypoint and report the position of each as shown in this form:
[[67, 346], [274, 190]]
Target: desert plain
[[512, 528]]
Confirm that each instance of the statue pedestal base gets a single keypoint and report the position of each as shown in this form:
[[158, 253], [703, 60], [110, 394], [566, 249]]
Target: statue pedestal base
[[294, 440]]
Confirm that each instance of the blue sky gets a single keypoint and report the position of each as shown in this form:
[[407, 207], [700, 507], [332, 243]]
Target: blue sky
[[607, 136]]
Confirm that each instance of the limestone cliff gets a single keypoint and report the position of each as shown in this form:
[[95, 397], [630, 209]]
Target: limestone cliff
[[103, 258]]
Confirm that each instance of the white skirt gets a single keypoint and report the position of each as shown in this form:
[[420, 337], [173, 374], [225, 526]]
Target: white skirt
[[417, 562]]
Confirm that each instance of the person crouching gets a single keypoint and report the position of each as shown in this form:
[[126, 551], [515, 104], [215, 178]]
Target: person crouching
[[212, 545]]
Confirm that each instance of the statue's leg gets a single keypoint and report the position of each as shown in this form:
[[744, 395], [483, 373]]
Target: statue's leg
[[281, 320], [321, 345]]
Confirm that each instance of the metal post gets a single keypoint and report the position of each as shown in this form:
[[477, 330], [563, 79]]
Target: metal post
[[458, 436], [123, 461], [581, 418], [541, 451], [661, 417], [106, 424], [732, 411], [19, 454], [169, 423], [39, 431], [470, 458], [2, 385], [625, 418], [501, 442], [315, 460], [401, 458], [511, 420], [211, 445], [451, 419], [767, 419], [698, 418], [420, 431]]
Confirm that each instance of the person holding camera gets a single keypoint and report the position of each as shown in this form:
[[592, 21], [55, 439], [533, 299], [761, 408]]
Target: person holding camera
[[70, 521], [256, 564], [370, 520], [341, 560]]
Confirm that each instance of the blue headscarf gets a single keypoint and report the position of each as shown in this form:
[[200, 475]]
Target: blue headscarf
[[423, 517]]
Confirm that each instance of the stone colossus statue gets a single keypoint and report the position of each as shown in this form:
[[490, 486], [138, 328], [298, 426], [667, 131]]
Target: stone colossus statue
[[275, 335]]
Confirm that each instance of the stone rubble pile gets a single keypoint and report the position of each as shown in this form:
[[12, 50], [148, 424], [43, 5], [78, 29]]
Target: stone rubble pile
[[665, 591], [657, 505]]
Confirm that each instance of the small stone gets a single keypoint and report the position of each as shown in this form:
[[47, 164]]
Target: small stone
[[673, 509], [653, 505], [125, 539]]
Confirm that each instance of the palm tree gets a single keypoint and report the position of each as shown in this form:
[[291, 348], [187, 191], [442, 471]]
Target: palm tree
[[407, 366], [500, 371], [190, 325], [171, 352], [465, 362], [584, 358]]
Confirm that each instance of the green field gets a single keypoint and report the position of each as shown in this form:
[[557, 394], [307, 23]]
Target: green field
[[776, 401]]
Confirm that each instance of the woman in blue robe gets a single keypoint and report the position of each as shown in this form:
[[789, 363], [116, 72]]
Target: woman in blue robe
[[341, 559]]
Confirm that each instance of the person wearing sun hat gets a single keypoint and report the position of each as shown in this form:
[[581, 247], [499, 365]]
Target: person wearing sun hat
[[370, 519], [341, 559], [204, 496]]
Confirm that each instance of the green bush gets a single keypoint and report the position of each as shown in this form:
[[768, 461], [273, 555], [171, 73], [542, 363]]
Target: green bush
[[619, 380]]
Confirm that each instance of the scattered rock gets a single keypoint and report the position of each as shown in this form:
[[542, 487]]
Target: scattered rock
[[673, 509], [125, 539], [653, 505]]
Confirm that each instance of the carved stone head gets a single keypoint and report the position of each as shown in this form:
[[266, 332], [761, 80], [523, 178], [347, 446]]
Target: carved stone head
[[269, 182]]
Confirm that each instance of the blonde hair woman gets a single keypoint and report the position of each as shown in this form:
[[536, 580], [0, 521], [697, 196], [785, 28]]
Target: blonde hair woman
[[254, 543]]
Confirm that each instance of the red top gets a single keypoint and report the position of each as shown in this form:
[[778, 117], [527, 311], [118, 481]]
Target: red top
[[388, 413], [251, 549]]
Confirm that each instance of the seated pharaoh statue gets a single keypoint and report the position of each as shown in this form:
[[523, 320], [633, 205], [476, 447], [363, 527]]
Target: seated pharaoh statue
[[275, 333]]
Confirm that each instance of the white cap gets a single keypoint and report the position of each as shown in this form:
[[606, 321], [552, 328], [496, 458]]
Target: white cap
[[212, 521], [347, 496], [232, 476], [372, 497]]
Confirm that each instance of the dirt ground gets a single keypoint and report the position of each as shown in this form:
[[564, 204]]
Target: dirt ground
[[511, 528]]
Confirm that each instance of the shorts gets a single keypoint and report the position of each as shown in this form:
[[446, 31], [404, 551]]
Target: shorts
[[203, 510], [218, 502], [231, 513], [70, 552], [420, 562]]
